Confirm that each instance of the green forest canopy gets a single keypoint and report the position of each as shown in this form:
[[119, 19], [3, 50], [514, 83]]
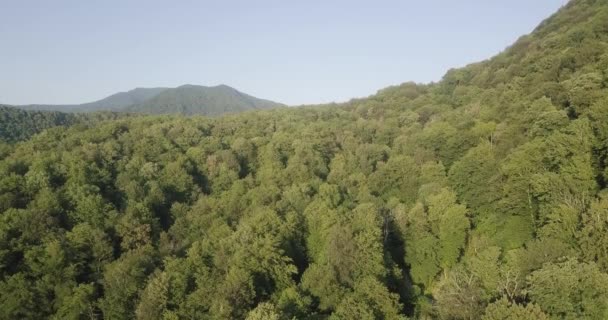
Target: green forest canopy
[[482, 196], [18, 125]]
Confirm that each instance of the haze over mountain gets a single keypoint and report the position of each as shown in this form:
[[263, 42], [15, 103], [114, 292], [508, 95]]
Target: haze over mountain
[[192, 100], [114, 102], [186, 99]]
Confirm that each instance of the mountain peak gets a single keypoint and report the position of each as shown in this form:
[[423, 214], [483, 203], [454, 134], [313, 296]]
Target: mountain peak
[[191, 99], [187, 99]]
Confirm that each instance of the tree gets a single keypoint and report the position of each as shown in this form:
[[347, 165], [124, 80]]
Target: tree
[[475, 179], [17, 300], [459, 295], [154, 298], [570, 290], [123, 279], [450, 224], [80, 304], [485, 265], [264, 311], [593, 238], [421, 247], [503, 309], [90, 249], [398, 177], [370, 300]]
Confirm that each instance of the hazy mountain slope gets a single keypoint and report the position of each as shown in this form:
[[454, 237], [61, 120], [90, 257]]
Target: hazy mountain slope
[[187, 100], [123, 99], [112, 103], [211, 101]]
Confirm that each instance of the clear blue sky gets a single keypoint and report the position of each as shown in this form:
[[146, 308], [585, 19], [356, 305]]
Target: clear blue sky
[[296, 52]]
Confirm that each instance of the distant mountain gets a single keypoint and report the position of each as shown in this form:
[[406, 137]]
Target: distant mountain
[[210, 101], [186, 99], [114, 102], [121, 100]]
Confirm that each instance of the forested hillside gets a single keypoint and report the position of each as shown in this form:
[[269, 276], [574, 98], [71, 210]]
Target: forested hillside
[[201, 100], [115, 102], [17, 124], [482, 196]]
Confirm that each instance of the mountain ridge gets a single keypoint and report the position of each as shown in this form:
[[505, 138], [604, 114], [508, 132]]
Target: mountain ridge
[[191, 99], [113, 102], [186, 99]]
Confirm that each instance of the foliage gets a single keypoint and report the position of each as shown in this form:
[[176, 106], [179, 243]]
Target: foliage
[[480, 196]]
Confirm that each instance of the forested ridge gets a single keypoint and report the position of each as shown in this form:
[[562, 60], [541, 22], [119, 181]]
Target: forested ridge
[[18, 125], [201, 100], [186, 100], [115, 102], [482, 196]]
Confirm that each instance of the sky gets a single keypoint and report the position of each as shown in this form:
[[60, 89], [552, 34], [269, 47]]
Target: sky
[[294, 52]]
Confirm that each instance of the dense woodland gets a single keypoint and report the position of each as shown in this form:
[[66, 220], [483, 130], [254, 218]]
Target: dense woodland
[[482, 196], [17, 124]]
